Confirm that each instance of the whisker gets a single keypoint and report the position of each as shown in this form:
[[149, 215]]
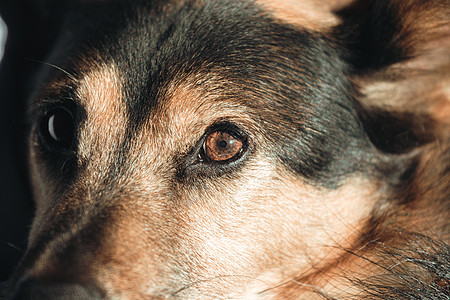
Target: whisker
[[14, 247], [53, 66], [314, 288], [190, 285]]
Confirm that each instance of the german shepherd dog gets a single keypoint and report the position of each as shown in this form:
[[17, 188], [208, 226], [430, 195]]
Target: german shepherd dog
[[248, 149]]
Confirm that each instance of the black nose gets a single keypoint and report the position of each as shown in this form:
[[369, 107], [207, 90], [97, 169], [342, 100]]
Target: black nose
[[30, 289]]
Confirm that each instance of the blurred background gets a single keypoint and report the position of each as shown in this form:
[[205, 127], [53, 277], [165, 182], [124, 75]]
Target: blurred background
[[14, 200], [27, 38]]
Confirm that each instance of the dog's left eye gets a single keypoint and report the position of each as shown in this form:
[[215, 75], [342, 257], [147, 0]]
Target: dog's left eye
[[57, 127]]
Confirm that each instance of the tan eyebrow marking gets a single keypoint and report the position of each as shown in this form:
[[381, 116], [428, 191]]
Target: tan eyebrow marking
[[99, 92]]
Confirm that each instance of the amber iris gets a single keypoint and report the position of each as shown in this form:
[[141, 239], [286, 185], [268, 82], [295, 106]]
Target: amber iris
[[221, 146]]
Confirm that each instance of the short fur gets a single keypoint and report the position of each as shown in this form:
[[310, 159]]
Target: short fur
[[342, 189]]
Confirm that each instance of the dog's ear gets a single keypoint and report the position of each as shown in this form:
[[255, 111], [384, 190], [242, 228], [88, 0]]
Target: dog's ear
[[393, 31], [405, 55], [400, 58], [311, 14]]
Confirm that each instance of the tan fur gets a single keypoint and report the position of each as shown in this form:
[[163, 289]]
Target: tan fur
[[311, 14], [260, 233], [420, 84], [100, 94], [229, 245]]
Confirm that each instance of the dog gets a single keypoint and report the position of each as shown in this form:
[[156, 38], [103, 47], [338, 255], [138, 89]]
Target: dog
[[248, 149]]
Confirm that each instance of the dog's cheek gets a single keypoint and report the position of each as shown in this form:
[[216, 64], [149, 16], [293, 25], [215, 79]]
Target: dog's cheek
[[265, 225], [43, 187]]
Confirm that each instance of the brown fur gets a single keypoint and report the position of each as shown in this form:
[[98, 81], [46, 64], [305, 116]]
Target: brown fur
[[146, 236]]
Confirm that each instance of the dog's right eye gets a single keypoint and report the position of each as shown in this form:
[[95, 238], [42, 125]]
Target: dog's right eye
[[222, 146], [57, 127]]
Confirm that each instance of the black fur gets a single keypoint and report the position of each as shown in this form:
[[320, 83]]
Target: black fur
[[291, 78], [310, 79]]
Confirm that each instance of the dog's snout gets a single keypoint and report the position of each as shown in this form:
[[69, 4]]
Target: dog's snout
[[31, 289]]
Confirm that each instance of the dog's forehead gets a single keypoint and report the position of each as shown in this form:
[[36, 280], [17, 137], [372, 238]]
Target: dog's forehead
[[148, 58], [153, 45]]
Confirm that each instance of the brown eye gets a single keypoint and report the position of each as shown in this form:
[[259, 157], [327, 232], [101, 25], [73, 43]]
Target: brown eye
[[221, 146]]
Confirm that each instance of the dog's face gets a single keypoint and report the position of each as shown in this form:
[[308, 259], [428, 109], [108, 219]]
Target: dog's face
[[194, 149]]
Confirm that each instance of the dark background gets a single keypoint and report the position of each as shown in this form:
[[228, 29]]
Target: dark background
[[29, 34]]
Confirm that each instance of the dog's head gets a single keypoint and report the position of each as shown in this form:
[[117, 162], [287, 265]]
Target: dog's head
[[211, 149]]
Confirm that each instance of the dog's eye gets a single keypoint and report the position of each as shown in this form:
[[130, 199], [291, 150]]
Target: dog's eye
[[57, 127], [222, 146]]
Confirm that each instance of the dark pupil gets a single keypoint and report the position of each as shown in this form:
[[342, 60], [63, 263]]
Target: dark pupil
[[223, 144], [59, 127]]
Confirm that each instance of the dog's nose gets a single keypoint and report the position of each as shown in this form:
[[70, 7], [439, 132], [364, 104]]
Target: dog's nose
[[31, 289]]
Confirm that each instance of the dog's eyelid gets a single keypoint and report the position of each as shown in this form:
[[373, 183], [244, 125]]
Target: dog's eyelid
[[227, 126], [47, 104]]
